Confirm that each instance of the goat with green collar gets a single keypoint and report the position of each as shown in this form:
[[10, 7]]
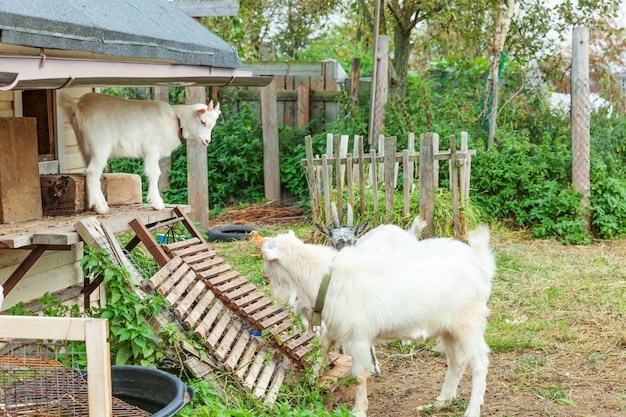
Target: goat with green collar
[[426, 289]]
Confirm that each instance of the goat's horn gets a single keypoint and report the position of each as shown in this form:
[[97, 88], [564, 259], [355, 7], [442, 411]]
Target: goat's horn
[[333, 210], [350, 216]]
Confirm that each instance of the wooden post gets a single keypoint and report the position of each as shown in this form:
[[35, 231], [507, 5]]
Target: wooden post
[[312, 179], [580, 117], [389, 164], [326, 181], [271, 164], [197, 169], [454, 187], [407, 171], [427, 191], [361, 174], [304, 103], [165, 164], [355, 74], [338, 177], [374, 181]]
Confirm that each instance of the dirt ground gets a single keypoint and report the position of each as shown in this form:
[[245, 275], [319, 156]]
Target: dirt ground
[[567, 356]]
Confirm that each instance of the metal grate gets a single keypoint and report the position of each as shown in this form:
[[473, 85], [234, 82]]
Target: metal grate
[[43, 379]]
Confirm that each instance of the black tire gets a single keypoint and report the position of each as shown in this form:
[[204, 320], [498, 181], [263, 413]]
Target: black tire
[[229, 233]]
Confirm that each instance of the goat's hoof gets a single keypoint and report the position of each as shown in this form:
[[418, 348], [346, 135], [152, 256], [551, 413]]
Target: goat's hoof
[[359, 413]]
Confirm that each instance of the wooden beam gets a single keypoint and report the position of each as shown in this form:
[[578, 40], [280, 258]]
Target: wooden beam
[[271, 164], [197, 169]]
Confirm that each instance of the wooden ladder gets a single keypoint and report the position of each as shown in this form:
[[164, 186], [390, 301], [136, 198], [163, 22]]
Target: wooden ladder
[[254, 338]]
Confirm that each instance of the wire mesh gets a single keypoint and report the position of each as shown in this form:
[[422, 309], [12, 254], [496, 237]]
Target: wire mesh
[[44, 379]]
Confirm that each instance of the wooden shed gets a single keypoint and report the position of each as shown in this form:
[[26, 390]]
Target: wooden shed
[[79, 46]]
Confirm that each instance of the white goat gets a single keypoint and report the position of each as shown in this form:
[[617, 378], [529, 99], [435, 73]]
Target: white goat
[[111, 127], [430, 288]]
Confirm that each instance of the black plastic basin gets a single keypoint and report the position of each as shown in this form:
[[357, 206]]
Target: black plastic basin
[[150, 389]]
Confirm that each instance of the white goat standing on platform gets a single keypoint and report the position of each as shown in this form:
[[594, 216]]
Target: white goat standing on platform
[[111, 127], [431, 288]]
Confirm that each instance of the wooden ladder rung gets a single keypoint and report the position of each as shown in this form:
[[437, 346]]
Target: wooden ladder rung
[[164, 272], [176, 276], [257, 305], [241, 291], [264, 379], [247, 356], [207, 321], [227, 341], [180, 288], [200, 257], [255, 369], [217, 274], [181, 244], [184, 307], [199, 309], [266, 312], [235, 353], [275, 319], [231, 285], [218, 331]]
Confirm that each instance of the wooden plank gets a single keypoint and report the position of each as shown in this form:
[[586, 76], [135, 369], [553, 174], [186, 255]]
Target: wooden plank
[[174, 246], [244, 363], [227, 341], [233, 284], [264, 379], [277, 382], [271, 321], [238, 349], [213, 272], [164, 272], [98, 368], [158, 253], [185, 305], [199, 309], [198, 248], [20, 187], [204, 265], [218, 330], [180, 288], [241, 291], [390, 177], [197, 259], [295, 343], [208, 320], [167, 285], [248, 298], [257, 305], [254, 370], [266, 312]]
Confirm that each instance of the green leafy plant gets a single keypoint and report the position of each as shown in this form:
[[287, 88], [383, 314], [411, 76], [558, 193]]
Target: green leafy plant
[[131, 337]]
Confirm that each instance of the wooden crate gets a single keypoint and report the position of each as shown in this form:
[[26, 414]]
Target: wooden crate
[[63, 194], [20, 199]]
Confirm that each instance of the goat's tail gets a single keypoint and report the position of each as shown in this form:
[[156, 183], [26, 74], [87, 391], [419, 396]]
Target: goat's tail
[[72, 112], [478, 240]]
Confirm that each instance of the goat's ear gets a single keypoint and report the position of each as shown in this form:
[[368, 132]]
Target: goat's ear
[[270, 254], [323, 229], [361, 229], [200, 112]]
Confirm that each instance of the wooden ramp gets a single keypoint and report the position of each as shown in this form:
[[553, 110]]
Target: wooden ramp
[[248, 334]]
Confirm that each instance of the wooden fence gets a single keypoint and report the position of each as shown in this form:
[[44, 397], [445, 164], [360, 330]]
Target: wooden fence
[[357, 170]]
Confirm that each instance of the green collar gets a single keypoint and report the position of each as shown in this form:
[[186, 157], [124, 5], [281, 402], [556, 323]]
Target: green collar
[[319, 302]]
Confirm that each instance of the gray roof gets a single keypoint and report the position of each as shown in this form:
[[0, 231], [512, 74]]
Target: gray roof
[[155, 29]]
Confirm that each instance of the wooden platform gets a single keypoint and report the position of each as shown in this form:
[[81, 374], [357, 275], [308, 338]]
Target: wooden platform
[[60, 230]]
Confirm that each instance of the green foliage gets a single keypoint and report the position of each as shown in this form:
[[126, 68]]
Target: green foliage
[[131, 337]]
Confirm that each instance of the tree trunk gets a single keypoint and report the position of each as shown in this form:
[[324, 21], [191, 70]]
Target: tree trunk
[[402, 53]]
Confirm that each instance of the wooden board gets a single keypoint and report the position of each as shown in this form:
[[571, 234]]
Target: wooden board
[[20, 197]]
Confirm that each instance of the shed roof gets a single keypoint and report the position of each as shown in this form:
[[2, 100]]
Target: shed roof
[[124, 28]]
